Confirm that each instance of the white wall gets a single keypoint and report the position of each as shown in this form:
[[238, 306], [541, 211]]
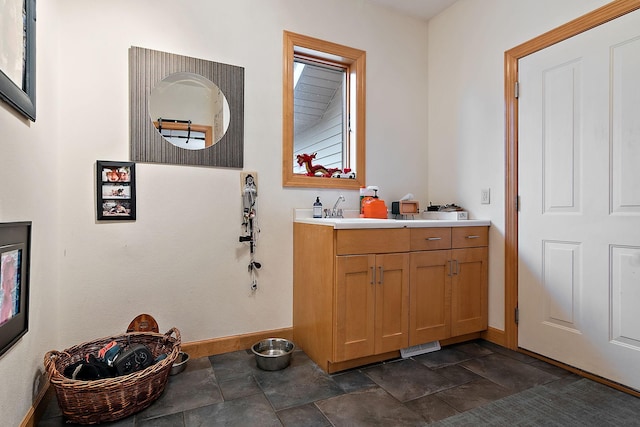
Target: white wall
[[466, 45], [180, 260], [30, 191]]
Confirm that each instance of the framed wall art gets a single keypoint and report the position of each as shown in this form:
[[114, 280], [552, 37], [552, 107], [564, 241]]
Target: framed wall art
[[18, 56], [115, 190], [15, 255]]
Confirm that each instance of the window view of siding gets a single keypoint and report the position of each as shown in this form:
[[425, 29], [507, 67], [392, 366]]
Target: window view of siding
[[319, 113]]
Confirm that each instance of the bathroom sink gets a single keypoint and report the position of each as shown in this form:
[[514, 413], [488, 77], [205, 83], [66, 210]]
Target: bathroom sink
[[353, 220], [353, 223]]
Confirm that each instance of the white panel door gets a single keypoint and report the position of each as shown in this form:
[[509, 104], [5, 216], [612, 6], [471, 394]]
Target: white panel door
[[579, 219]]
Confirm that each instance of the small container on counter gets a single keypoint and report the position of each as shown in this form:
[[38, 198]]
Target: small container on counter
[[317, 208]]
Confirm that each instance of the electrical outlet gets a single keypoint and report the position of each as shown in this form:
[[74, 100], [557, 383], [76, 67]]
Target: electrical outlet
[[485, 196]]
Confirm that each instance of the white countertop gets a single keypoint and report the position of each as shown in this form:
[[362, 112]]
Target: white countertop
[[351, 222]]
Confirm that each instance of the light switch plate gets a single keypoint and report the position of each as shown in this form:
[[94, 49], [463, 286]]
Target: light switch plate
[[485, 196]]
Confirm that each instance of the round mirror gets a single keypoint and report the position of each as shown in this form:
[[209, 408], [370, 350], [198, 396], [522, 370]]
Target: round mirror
[[189, 111]]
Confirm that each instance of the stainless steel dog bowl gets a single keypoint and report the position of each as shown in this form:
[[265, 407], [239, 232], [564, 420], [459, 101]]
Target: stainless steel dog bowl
[[273, 354], [180, 364]]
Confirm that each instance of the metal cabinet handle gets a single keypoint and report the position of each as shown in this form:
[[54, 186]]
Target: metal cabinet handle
[[373, 275], [433, 238], [473, 237], [381, 275], [453, 272]]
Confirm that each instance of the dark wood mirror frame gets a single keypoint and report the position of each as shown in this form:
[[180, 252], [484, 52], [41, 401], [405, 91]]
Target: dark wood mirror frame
[[23, 98]]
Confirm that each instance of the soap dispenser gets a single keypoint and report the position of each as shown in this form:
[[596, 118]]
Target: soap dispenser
[[317, 208]]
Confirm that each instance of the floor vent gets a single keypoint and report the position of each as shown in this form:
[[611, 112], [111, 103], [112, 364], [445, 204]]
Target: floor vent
[[420, 349]]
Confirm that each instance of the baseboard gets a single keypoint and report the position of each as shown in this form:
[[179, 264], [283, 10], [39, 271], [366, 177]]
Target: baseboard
[[222, 345], [621, 387], [459, 339], [495, 336], [39, 405], [353, 363], [498, 337]]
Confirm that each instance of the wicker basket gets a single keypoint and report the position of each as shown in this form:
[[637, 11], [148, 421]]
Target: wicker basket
[[110, 399]]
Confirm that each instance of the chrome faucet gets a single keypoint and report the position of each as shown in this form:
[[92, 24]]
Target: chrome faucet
[[335, 212]]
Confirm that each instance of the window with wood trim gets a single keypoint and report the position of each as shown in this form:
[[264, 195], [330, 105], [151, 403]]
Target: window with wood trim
[[323, 114]]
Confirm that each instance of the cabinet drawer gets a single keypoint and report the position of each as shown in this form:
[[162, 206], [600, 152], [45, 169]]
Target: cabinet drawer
[[469, 237], [372, 241], [428, 239]]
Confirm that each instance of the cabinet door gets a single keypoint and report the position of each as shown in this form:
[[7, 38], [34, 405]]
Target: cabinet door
[[354, 307], [392, 302], [430, 318], [469, 291]]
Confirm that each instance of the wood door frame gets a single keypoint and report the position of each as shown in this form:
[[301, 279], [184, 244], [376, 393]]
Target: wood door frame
[[604, 14]]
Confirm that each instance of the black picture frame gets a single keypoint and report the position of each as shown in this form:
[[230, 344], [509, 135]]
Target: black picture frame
[[15, 261], [22, 96], [115, 191]]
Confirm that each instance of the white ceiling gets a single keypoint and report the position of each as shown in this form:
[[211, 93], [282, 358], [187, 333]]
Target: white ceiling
[[423, 9]]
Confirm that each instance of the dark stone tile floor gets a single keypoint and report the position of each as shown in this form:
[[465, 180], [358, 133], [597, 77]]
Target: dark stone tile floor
[[229, 390]]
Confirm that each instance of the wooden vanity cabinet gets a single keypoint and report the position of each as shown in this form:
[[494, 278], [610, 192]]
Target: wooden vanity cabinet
[[430, 318], [371, 292], [469, 291], [371, 305], [448, 287], [362, 294]]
